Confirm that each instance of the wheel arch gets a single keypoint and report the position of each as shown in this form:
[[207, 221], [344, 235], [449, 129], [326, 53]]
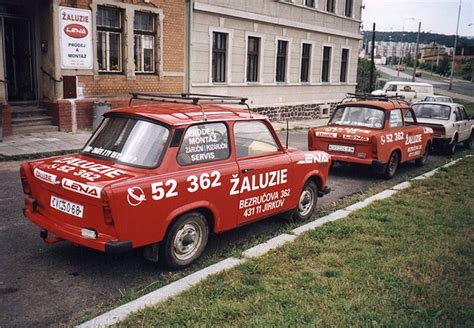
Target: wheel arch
[[204, 208]]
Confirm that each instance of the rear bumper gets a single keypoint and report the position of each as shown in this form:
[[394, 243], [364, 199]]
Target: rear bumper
[[102, 242], [355, 160], [441, 141]]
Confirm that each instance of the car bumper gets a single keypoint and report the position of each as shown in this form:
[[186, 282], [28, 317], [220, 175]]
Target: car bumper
[[354, 160], [441, 141], [102, 242]]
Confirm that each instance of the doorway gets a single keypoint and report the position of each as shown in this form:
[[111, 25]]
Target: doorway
[[18, 60]]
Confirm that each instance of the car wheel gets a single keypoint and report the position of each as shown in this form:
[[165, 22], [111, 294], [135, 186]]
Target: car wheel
[[185, 241], [392, 165], [306, 202], [422, 160], [451, 147], [469, 142]]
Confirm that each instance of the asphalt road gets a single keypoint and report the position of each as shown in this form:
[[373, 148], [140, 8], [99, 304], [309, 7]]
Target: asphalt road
[[50, 285]]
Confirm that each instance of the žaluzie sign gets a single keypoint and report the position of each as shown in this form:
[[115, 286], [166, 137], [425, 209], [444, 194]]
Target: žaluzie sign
[[76, 38]]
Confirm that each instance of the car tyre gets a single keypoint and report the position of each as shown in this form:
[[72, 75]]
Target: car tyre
[[451, 147], [390, 168], [185, 241], [422, 160], [469, 142], [306, 202]]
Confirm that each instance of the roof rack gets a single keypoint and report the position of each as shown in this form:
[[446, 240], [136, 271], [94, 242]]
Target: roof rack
[[367, 96], [192, 98]]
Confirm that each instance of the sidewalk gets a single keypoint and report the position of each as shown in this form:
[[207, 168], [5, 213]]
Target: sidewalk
[[38, 145]]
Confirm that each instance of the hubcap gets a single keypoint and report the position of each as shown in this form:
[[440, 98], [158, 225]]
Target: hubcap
[[187, 241], [306, 202], [392, 166]]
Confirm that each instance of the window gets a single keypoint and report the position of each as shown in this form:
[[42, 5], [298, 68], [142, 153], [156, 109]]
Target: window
[[344, 63], [459, 114], [253, 138], [305, 62], [396, 120], [464, 114], [282, 49], [326, 64], [309, 3], [129, 141], [144, 42], [432, 111], [348, 8], [109, 39], [204, 143], [330, 5], [358, 116], [219, 56], [409, 118], [253, 49]]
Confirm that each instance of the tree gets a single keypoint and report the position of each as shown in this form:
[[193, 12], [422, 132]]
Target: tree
[[409, 60], [363, 76], [444, 67], [468, 70]]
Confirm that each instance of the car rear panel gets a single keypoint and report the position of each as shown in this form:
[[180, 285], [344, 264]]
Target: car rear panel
[[78, 180]]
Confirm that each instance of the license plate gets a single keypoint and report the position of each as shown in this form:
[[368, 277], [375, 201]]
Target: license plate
[[67, 206], [341, 148]]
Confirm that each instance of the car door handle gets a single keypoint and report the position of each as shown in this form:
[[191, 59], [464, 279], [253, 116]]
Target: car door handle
[[247, 170]]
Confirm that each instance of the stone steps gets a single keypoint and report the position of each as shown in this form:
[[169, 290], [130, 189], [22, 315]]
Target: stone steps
[[28, 119]]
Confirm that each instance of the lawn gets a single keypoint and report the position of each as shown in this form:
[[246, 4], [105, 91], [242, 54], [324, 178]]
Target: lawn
[[404, 261], [469, 106]]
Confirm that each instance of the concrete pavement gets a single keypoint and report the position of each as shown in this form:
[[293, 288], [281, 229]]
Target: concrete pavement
[[38, 145]]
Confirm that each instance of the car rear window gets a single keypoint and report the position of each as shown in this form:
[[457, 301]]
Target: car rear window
[[434, 111], [129, 141], [368, 117]]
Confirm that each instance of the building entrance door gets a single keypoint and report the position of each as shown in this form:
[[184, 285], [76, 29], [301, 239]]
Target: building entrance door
[[18, 60]]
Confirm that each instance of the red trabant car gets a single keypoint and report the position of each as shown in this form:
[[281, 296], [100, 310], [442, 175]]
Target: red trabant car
[[373, 131], [165, 176]]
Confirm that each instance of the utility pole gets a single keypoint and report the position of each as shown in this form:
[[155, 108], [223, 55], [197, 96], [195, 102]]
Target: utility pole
[[455, 45], [416, 53], [372, 65]]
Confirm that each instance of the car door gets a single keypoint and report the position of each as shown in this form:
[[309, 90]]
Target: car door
[[264, 179], [413, 144], [462, 120]]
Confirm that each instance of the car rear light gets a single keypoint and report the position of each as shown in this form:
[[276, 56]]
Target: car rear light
[[374, 147], [108, 219], [310, 139], [24, 181], [439, 130]]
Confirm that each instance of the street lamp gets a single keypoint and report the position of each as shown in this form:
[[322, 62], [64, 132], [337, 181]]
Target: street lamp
[[455, 45], [400, 61]]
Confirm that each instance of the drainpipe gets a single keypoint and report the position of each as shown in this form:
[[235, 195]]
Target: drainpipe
[[189, 43]]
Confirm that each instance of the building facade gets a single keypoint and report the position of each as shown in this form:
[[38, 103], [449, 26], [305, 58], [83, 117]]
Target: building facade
[[59, 56], [293, 59]]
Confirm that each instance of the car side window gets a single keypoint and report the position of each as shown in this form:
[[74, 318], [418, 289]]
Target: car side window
[[464, 114], [396, 120], [207, 142], [253, 138], [409, 118], [392, 87], [458, 114]]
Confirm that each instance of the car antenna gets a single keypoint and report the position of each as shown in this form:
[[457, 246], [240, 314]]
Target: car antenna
[[287, 133], [248, 107]]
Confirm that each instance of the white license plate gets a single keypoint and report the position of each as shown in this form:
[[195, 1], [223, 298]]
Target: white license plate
[[341, 148], [67, 206]]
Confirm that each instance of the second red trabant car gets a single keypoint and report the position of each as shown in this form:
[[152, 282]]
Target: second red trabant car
[[165, 176], [373, 131]]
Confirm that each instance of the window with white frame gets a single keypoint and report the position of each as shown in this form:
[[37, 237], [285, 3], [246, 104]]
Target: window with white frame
[[305, 62], [309, 3], [326, 69], [109, 39], [253, 58], [344, 65], [144, 30], [219, 56], [331, 6], [281, 59], [348, 8]]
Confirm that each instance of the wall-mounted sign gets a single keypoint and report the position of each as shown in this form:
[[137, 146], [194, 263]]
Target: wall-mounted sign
[[75, 30]]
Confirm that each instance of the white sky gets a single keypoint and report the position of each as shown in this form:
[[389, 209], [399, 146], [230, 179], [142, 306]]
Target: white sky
[[437, 16]]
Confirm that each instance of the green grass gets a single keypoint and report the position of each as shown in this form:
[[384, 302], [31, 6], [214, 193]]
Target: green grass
[[404, 261], [469, 106]]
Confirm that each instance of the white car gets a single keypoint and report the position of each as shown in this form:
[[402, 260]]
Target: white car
[[412, 91], [450, 123]]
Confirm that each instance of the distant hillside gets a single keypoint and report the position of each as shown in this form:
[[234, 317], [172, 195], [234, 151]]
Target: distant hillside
[[447, 40]]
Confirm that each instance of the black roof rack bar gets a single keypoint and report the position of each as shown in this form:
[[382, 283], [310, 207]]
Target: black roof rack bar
[[195, 98], [367, 96]]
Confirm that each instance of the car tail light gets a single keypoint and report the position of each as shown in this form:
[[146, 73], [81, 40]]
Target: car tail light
[[310, 139], [24, 181], [374, 147], [439, 130], [108, 219]]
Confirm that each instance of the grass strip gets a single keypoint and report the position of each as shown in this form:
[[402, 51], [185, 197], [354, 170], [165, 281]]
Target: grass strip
[[404, 261]]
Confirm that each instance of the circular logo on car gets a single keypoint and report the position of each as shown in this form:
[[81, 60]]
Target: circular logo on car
[[135, 196]]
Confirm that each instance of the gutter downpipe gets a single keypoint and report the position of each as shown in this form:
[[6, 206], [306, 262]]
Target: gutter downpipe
[[189, 45]]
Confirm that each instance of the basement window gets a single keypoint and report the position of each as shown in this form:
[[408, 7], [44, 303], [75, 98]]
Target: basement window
[[109, 39], [144, 42]]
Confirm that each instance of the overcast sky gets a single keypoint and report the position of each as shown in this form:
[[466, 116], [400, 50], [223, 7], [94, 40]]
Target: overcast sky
[[437, 16]]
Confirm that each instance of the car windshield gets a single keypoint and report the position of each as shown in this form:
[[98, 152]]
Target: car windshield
[[128, 141], [358, 116], [435, 111], [438, 99]]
